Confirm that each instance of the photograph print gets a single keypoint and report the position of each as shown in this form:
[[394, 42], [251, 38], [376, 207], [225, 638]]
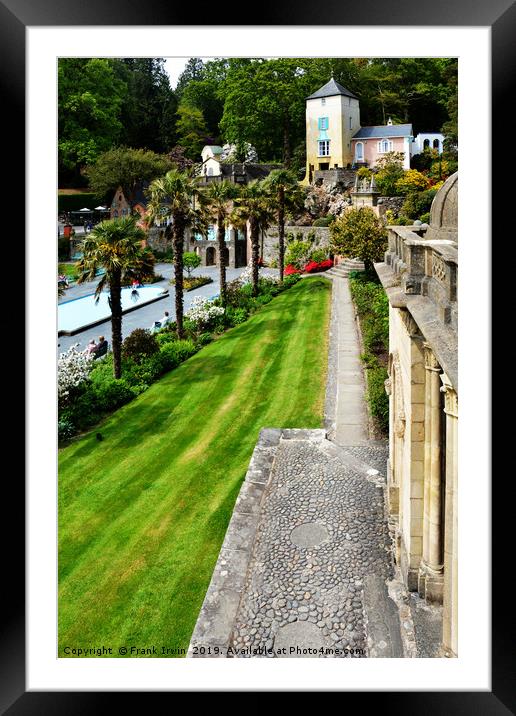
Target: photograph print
[[257, 264]]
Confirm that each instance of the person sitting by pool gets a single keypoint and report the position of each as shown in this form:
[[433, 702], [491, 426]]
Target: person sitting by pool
[[161, 323], [91, 347], [101, 347]]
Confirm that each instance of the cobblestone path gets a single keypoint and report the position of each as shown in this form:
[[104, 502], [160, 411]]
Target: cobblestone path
[[320, 560]]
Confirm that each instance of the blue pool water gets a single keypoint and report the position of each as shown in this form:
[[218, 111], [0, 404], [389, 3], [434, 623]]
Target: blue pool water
[[79, 313]]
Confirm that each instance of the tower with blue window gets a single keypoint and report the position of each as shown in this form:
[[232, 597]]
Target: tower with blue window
[[332, 118]]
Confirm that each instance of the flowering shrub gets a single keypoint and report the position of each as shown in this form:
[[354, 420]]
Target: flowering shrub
[[412, 180], [246, 276], [203, 311], [315, 266], [73, 368]]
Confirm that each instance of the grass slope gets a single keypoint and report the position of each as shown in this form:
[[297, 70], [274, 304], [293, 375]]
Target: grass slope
[[142, 514]]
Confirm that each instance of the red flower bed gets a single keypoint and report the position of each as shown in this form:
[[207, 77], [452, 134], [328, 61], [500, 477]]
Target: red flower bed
[[289, 270], [315, 266]]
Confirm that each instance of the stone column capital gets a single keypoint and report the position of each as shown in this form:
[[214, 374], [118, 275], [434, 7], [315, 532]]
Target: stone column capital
[[451, 401], [431, 362]]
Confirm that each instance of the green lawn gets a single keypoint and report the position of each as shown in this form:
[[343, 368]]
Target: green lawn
[[143, 513]]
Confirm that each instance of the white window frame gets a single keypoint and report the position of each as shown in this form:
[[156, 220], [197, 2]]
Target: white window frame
[[326, 143], [361, 157], [381, 149]]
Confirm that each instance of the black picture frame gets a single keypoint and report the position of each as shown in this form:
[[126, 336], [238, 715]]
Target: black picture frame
[[15, 16]]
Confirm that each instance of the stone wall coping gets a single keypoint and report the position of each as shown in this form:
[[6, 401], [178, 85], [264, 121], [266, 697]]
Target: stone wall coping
[[214, 627], [441, 337]]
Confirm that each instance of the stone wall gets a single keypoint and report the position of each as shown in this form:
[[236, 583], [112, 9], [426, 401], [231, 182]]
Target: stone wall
[[346, 177], [270, 239], [157, 241], [394, 203]]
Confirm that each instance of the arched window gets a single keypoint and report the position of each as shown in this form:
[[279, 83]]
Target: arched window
[[359, 151], [436, 144], [426, 144]]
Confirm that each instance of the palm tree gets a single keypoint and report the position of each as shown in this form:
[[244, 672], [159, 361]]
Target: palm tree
[[174, 196], [116, 245], [219, 203], [285, 192], [253, 206]]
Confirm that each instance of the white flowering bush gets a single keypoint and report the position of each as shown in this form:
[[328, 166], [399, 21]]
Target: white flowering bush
[[203, 311], [73, 368], [246, 276]]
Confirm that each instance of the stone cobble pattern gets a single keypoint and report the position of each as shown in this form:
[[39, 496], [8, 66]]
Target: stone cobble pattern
[[320, 584]]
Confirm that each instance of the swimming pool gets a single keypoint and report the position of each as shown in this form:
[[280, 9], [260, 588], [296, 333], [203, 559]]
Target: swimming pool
[[81, 313]]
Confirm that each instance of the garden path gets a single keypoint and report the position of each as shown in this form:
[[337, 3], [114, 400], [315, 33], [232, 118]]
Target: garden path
[[306, 566]]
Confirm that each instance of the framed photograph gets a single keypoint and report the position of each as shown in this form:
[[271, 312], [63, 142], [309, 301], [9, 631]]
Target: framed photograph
[[244, 444]]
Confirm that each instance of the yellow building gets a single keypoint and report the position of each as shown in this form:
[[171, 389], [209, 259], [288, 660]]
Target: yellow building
[[332, 118]]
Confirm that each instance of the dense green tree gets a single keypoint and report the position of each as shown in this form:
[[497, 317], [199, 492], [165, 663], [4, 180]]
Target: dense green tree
[[219, 198], [149, 110], [177, 196], [264, 103], [203, 95], [450, 126], [193, 71], [359, 233], [117, 246], [192, 132], [90, 97], [125, 167]]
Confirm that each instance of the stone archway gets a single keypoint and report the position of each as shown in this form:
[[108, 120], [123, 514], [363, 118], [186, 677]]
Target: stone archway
[[210, 256]]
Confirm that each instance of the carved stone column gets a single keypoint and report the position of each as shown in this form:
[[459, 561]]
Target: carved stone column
[[430, 582], [450, 593]]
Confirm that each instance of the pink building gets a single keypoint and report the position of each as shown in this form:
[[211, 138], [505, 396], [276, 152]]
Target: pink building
[[370, 143]]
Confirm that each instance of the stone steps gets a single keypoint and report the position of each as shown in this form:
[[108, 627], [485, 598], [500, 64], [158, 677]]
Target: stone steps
[[345, 267]]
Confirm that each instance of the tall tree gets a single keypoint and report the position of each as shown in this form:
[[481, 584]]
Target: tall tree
[[177, 196], [116, 246], [149, 111], [253, 207], [194, 70], [284, 191], [90, 98], [192, 132], [125, 167], [219, 198]]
